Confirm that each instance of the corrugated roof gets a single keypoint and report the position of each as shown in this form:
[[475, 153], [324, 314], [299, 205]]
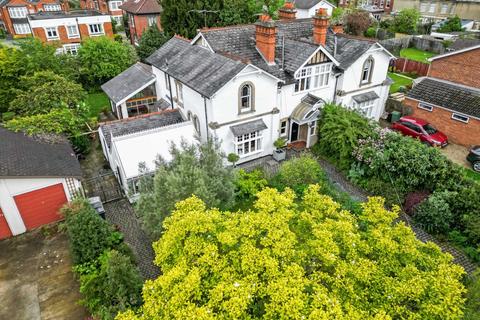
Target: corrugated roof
[[26, 156]]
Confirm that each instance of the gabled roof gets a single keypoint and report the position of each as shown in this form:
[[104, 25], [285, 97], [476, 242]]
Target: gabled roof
[[307, 4], [140, 123], [129, 82], [27, 156], [448, 95], [448, 54], [196, 67], [141, 6]]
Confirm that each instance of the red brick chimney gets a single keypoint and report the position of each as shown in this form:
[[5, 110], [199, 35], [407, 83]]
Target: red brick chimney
[[320, 25], [288, 11], [265, 37]]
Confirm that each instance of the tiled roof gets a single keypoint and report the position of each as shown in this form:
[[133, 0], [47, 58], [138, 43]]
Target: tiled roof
[[26, 156], [43, 15], [140, 123], [447, 94], [239, 41], [197, 67], [129, 81], [305, 4], [142, 6]]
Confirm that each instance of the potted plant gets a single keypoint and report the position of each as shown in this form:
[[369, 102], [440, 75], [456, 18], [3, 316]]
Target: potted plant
[[233, 158], [280, 153], [336, 21]]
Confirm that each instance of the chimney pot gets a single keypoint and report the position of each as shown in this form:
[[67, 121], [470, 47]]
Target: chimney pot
[[288, 11], [320, 25], [265, 37]]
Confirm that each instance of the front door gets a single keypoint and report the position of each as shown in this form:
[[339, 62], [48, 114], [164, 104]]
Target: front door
[[294, 135]]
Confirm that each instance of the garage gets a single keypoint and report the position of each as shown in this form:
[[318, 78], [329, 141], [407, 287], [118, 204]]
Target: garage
[[38, 175], [4, 228], [41, 206]]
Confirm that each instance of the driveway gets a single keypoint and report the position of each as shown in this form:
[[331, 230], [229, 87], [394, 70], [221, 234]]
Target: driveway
[[457, 153], [36, 279]]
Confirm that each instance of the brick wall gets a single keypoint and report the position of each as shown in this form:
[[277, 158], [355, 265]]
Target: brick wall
[[461, 68], [466, 134], [141, 24]]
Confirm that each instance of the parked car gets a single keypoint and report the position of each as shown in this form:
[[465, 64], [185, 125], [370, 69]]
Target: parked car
[[474, 158], [421, 129]]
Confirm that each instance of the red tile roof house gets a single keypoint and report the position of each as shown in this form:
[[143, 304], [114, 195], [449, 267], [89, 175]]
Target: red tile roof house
[[449, 97], [110, 7], [68, 29], [38, 175], [13, 13], [141, 15]]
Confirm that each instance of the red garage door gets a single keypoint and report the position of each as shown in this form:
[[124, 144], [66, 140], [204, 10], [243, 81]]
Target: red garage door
[[4, 229], [41, 206]]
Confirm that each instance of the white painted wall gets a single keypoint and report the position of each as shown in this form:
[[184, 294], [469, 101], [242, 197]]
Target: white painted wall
[[13, 187], [44, 23], [308, 13]]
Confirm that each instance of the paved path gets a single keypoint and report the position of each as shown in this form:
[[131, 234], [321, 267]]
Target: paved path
[[338, 179], [121, 213]]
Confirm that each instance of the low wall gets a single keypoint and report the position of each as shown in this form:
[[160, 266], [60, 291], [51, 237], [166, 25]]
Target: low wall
[[427, 44]]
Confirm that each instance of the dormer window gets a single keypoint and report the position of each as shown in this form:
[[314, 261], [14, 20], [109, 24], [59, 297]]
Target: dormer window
[[246, 98], [367, 71], [313, 77]]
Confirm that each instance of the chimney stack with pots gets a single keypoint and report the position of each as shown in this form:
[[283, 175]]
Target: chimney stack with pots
[[288, 11], [320, 26], [265, 37]]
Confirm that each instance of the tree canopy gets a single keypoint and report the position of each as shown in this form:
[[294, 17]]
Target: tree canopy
[[357, 22], [151, 40], [297, 260], [451, 25], [406, 21], [102, 59]]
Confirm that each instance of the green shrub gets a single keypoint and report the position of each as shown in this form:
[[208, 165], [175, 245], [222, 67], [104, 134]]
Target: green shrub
[[112, 287], [472, 305], [6, 116], [89, 234], [298, 173], [248, 184], [339, 131], [371, 32], [435, 214]]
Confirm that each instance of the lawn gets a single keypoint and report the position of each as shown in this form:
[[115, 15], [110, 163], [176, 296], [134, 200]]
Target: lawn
[[398, 81], [416, 54], [97, 101]]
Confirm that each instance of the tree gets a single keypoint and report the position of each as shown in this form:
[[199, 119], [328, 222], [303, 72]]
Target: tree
[[194, 169], [452, 24], [406, 21], [102, 59], [44, 91], [287, 260], [151, 40], [357, 22]]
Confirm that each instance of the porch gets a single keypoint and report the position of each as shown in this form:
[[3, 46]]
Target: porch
[[302, 124]]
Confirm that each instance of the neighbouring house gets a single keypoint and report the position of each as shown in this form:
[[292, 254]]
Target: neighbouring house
[[140, 140], [107, 7], [376, 7], [13, 13], [308, 8], [248, 85], [449, 97], [436, 10], [37, 177], [68, 29], [141, 14]]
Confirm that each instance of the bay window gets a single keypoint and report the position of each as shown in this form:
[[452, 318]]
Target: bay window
[[21, 28], [365, 108], [17, 12], [52, 7], [249, 143]]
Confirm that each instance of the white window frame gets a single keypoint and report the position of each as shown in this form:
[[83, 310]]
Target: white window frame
[[71, 48], [432, 7], [52, 7], [72, 35], [312, 128], [444, 8], [423, 6], [51, 30], [17, 12], [460, 117], [114, 5], [179, 91], [151, 20], [313, 77], [425, 106], [248, 96], [98, 29], [365, 108], [118, 19], [367, 70], [283, 127], [246, 141], [22, 28]]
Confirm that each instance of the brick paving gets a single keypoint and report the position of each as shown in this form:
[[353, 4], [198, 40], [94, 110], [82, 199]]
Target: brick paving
[[121, 214]]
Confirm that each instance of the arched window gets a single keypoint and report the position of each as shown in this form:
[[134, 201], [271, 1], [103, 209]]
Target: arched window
[[367, 71], [196, 124], [246, 97]]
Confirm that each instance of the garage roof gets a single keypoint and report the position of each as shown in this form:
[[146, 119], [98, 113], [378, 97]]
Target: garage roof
[[26, 156]]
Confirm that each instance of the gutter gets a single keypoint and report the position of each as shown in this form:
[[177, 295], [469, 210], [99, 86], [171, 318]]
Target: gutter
[[206, 115]]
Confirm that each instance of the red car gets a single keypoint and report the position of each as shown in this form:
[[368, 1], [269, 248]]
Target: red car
[[421, 129]]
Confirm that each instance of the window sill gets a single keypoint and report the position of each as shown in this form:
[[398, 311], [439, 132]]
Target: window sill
[[53, 39], [246, 112], [97, 34], [74, 37], [250, 154]]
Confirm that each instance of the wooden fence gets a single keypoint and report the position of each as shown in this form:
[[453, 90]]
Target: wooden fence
[[409, 66]]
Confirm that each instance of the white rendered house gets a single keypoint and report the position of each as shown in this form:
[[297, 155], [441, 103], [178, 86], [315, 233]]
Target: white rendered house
[[308, 8], [249, 85]]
